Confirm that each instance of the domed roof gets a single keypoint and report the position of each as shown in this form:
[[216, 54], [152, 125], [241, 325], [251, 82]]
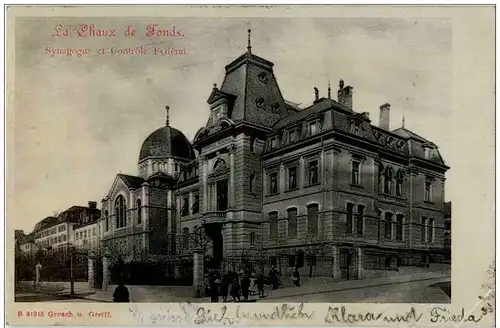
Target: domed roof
[[167, 142]]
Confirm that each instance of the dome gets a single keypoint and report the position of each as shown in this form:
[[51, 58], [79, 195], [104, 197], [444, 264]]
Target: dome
[[167, 142]]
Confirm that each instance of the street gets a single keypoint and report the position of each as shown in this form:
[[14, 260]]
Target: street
[[424, 291], [41, 297]]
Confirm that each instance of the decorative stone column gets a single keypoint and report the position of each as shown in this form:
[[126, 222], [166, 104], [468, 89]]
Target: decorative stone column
[[204, 179], [360, 262], [198, 273], [232, 175], [336, 262], [106, 259], [91, 276], [38, 267]]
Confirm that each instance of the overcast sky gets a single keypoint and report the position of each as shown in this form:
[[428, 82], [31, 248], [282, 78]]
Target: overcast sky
[[81, 120]]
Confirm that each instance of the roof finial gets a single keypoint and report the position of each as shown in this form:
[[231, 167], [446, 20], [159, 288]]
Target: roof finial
[[215, 85], [403, 121], [168, 115], [329, 90], [249, 47]]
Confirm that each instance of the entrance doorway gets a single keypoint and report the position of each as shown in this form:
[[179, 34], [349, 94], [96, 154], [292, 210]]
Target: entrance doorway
[[348, 270], [214, 232]]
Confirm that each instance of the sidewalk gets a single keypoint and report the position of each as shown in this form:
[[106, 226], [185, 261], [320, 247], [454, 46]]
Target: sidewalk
[[309, 287]]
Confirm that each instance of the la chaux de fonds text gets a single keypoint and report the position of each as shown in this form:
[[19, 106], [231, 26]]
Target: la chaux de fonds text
[[85, 31]]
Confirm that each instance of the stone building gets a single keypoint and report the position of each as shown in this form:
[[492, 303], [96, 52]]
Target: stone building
[[138, 213], [59, 232], [266, 177]]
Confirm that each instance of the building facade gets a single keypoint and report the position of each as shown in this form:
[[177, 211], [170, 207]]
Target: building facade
[[68, 229], [265, 176]]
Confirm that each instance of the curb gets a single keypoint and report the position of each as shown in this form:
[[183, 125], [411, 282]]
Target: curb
[[352, 288]]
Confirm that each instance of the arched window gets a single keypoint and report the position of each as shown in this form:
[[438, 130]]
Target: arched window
[[388, 181], [292, 222], [312, 219], [252, 183], [139, 211], [399, 226], [388, 226], [155, 166], [106, 219], [273, 224], [399, 183], [120, 212]]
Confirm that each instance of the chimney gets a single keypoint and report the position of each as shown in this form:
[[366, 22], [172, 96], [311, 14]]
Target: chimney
[[385, 111], [366, 115], [92, 205], [344, 95], [316, 94]]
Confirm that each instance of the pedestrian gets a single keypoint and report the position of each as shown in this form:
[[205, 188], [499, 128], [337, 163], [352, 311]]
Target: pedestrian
[[206, 283], [214, 289], [235, 289], [296, 277], [121, 293], [224, 286], [245, 286], [260, 285]]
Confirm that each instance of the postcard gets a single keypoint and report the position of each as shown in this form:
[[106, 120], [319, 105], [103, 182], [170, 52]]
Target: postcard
[[250, 165]]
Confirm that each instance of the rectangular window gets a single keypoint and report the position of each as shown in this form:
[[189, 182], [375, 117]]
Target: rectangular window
[[313, 172], [349, 218], [292, 177], [423, 230], [312, 219], [399, 227], [274, 143], [359, 220], [355, 173], [428, 191], [399, 187], [273, 183], [185, 205], [388, 226], [196, 204], [273, 225], [294, 135], [313, 128], [430, 231], [292, 222], [252, 238], [291, 260]]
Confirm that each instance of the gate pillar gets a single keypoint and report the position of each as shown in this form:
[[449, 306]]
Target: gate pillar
[[198, 273], [106, 259]]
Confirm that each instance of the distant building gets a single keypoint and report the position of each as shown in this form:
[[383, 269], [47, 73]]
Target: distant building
[[53, 233]]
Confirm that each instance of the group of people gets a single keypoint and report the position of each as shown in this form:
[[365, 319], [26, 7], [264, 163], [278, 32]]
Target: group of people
[[239, 285], [236, 285]]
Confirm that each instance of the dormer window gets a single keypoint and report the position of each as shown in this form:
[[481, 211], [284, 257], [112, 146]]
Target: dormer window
[[274, 143], [293, 135], [313, 128]]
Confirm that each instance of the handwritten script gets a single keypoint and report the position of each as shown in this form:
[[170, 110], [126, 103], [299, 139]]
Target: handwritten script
[[197, 314]]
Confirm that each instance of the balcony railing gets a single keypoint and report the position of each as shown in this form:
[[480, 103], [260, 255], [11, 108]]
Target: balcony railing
[[214, 217]]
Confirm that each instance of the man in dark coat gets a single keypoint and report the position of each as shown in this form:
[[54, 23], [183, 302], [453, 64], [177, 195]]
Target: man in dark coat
[[260, 285], [245, 286], [121, 293]]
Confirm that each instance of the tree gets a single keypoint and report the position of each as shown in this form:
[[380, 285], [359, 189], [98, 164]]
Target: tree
[[316, 244]]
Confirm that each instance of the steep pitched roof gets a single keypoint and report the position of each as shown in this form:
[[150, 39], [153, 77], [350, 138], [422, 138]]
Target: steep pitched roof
[[407, 134], [318, 107], [131, 181]]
